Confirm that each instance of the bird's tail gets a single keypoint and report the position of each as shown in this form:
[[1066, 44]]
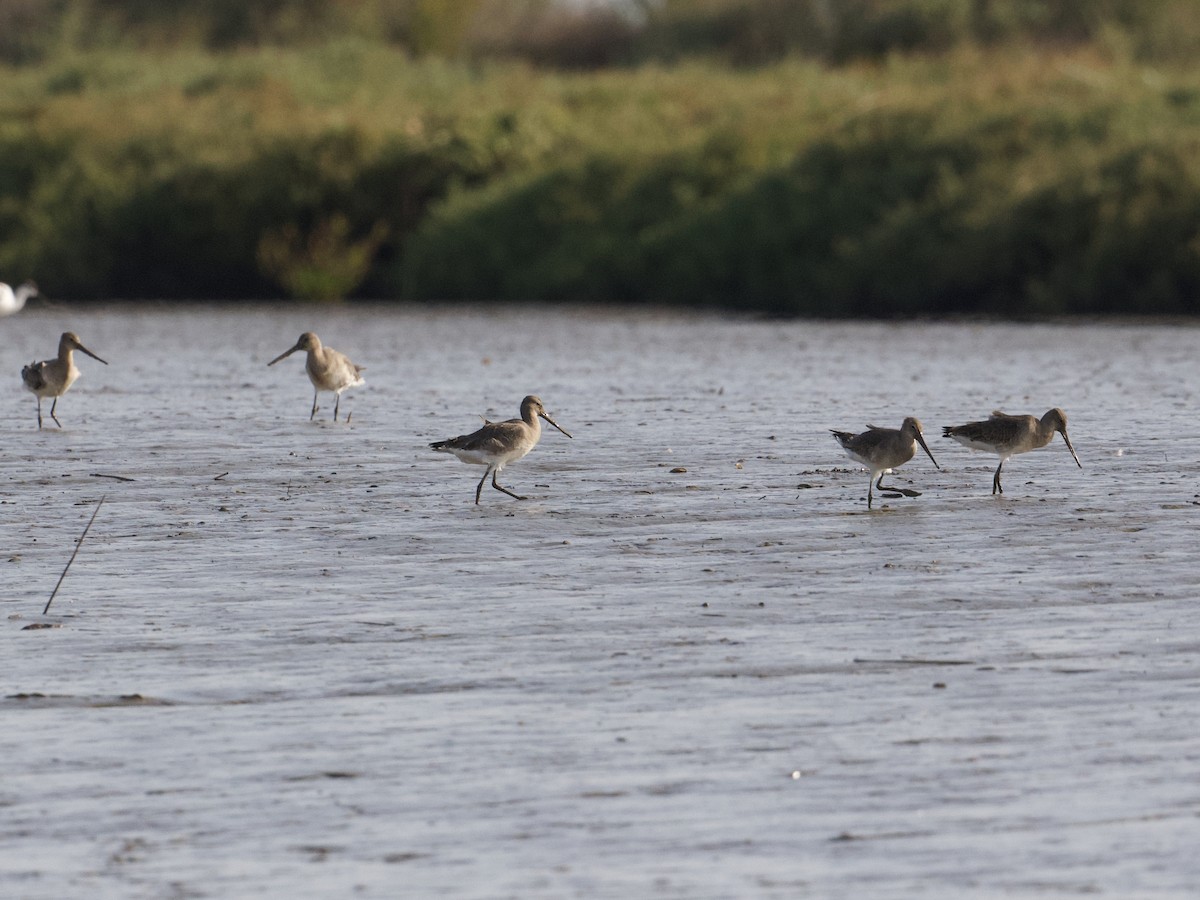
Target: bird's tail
[[841, 436]]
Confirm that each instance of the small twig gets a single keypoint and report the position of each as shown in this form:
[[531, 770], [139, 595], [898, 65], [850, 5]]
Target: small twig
[[916, 661], [78, 544], [117, 477], [219, 477]]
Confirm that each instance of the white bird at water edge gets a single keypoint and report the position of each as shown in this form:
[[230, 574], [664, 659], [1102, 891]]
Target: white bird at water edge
[[14, 301]]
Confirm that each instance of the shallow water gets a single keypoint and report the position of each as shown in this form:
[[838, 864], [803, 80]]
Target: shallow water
[[294, 659]]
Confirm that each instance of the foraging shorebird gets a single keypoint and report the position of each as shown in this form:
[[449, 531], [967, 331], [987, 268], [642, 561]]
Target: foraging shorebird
[[52, 377], [14, 301], [328, 370], [883, 449], [497, 444], [1007, 436]]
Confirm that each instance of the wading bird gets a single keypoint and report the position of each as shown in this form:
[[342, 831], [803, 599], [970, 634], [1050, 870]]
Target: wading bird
[[14, 301], [52, 377], [497, 444], [1007, 436], [883, 449], [328, 370]]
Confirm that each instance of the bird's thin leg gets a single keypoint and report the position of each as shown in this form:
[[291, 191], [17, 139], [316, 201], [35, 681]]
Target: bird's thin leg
[[479, 489], [337, 401], [996, 486], [870, 487], [39, 400], [879, 484], [313, 414], [496, 472], [52, 415]]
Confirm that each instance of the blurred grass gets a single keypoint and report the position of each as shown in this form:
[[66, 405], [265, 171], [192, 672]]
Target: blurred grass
[[996, 178]]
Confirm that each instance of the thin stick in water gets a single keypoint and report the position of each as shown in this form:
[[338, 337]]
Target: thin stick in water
[[78, 544]]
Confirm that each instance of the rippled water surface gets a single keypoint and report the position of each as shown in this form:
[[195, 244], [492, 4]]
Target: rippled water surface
[[294, 659]]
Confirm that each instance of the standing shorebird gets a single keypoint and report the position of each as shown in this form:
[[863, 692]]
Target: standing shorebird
[[497, 444], [883, 449], [52, 377], [327, 369], [14, 301], [1007, 436]]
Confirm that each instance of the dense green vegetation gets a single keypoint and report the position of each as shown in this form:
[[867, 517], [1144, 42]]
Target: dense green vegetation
[[918, 157]]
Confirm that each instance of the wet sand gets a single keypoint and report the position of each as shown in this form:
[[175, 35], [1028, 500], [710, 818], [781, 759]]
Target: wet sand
[[294, 659]]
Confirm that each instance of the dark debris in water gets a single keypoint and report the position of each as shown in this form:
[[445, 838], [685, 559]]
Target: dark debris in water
[[38, 699], [848, 836], [911, 661], [404, 857], [316, 852]]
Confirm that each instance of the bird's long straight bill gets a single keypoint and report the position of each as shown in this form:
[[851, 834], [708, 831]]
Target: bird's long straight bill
[[284, 355], [555, 424], [83, 349], [1072, 449], [925, 447]]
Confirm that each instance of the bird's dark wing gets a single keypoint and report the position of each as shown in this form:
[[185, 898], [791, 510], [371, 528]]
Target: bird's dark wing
[[32, 375]]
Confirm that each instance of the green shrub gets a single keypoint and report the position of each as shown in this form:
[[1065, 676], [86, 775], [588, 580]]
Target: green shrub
[[574, 233], [895, 216], [324, 264], [1120, 236]]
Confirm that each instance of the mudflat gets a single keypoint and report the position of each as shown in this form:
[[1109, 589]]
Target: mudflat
[[295, 659]]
